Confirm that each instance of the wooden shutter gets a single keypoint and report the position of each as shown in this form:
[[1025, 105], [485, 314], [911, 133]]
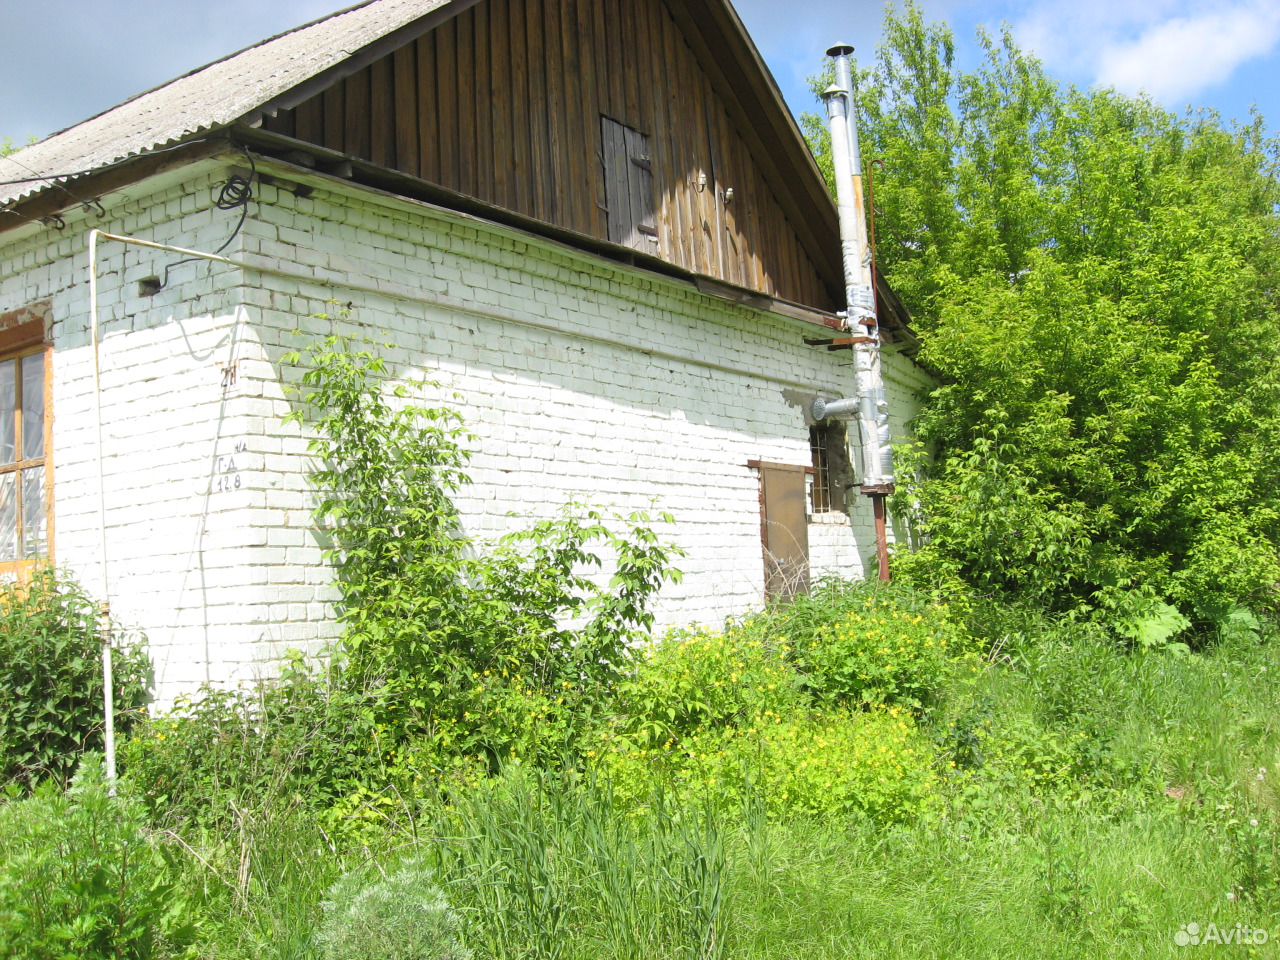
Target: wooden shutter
[[628, 186], [784, 529]]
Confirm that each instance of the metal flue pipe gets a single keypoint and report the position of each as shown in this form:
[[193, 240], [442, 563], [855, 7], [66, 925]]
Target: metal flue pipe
[[860, 295]]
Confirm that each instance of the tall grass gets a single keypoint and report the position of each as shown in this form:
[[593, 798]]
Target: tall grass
[[547, 867], [1096, 801]]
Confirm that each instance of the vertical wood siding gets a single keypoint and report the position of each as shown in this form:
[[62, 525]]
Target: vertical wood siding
[[504, 103]]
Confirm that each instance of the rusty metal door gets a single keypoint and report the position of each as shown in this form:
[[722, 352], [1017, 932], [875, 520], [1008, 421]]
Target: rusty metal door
[[784, 529]]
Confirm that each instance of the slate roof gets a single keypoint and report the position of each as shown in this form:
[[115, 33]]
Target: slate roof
[[209, 98]]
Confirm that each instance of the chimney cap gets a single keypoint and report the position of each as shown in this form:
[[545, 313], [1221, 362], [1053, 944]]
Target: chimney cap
[[840, 50]]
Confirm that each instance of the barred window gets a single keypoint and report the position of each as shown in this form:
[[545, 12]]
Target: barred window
[[821, 453], [833, 473]]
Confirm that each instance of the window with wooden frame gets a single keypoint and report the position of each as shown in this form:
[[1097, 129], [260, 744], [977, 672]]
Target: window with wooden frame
[[26, 471]]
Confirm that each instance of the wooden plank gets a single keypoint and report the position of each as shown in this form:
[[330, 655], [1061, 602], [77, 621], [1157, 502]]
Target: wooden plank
[[575, 172], [769, 246], [428, 115], [382, 147], [753, 209], [643, 231], [521, 174], [282, 122], [633, 147], [408, 155], [614, 59], [733, 248], [720, 181], [627, 56], [447, 102], [562, 189], [309, 121], [484, 105], [334, 118], [462, 90], [794, 258], [704, 187], [708, 257], [781, 258], [603, 73], [677, 176], [617, 198], [654, 77], [356, 130], [684, 162], [588, 119], [535, 113], [499, 59], [740, 209]]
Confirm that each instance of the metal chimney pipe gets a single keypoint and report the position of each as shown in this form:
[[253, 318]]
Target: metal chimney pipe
[[841, 53], [873, 418], [873, 407]]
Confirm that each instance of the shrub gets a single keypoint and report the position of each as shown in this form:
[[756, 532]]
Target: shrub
[[228, 750], [494, 651], [696, 681], [51, 678], [872, 764], [402, 915], [889, 649], [79, 876], [798, 622]]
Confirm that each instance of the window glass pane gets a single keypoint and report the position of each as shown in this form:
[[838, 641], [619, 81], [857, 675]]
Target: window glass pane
[[8, 403], [35, 528], [33, 407], [8, 517]]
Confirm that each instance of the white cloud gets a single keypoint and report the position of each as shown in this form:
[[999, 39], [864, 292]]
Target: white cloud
[[1179, 58], [1170, 49]]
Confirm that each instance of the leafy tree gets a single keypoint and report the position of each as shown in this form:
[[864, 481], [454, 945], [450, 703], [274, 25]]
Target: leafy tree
[[7, 146], [494, 650], [1096, 284]]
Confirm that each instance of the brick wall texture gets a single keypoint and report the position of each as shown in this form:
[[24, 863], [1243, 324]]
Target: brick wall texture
[[581, 379]]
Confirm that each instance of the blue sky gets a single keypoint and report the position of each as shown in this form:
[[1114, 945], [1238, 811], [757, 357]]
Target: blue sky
[[1223, 54], [75, 58]]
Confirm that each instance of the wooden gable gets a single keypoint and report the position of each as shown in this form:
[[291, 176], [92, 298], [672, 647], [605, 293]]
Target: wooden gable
[[596, 116]]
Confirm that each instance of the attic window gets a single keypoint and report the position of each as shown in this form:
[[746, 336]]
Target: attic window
[[628, 186]]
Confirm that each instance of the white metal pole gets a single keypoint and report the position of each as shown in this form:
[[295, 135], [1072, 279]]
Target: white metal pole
[[104, 611]]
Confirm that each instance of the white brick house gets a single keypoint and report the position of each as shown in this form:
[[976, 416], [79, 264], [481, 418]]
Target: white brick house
[[602, 356]]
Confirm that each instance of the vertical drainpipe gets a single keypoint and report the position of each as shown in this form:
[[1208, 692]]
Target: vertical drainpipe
[[860, 295]]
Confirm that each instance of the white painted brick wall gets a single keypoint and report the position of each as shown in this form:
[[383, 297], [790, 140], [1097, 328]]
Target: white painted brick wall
[[582, 380]]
